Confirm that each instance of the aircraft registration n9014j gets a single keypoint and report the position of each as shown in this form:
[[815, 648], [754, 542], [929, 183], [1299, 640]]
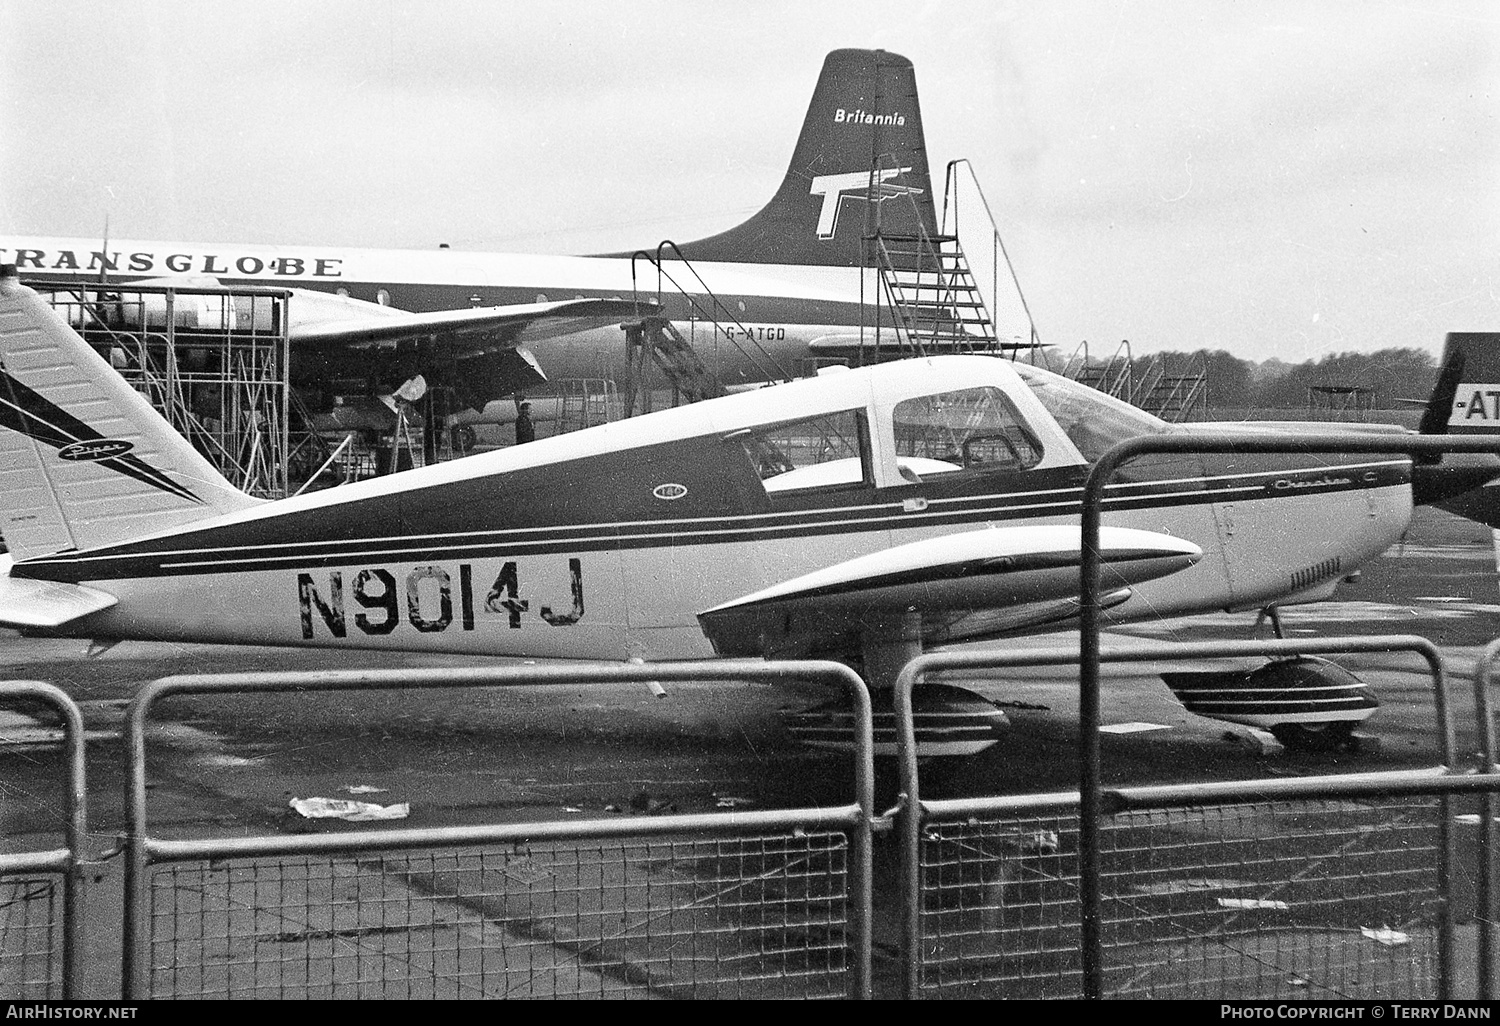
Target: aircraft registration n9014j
[[859, 515], [786, 285]]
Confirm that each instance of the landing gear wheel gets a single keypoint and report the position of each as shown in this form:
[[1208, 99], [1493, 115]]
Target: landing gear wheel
[[1315, 737]]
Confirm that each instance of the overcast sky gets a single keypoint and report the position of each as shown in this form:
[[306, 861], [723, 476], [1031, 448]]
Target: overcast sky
[[1279, 179]]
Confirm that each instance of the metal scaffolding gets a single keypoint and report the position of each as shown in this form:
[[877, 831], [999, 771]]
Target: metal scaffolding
[[213, 361]]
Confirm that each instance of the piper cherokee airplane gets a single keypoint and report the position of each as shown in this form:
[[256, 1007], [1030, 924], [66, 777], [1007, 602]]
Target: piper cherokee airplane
[[859, 514], [785, 285]]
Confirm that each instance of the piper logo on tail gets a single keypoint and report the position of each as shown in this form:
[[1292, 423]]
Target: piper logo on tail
[[95, 449], [1475, 405], [833, 187]]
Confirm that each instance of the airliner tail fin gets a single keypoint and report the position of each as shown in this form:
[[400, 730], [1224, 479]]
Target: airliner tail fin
[[861, 160]]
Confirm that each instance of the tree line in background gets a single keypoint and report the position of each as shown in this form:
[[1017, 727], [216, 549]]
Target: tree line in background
[[1390, 375]]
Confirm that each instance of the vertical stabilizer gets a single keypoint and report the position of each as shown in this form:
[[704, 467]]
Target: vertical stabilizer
[[1466, 401], [861, 156], [84, 460]]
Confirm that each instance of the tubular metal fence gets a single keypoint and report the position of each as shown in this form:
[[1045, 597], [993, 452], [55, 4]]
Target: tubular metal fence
[[1314, 887], [41, 892], [742, 904]]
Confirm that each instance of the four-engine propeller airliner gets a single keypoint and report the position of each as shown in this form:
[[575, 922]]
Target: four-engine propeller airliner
[[758, 301], [859, 514]]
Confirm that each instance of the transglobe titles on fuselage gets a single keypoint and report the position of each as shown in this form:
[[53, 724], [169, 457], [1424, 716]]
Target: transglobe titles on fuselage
[[176, 263]]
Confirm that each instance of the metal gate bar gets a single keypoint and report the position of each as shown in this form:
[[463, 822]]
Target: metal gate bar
[[1484, 678], [916, 812], [1090, 614], [66, 860], [853, 819]]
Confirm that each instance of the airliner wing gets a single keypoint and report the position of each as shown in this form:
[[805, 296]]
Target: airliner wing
[[504, 326], [1031, 573], [28, 603]]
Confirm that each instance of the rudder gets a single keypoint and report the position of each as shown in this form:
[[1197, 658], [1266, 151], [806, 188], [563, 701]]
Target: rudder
[[861, 156]]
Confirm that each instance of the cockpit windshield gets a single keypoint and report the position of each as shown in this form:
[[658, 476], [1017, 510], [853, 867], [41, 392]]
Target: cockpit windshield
[[1093, 420]]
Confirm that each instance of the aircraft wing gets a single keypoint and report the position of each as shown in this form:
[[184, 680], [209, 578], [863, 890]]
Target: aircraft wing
[[28, 603], [481, 329], [1030, 574]]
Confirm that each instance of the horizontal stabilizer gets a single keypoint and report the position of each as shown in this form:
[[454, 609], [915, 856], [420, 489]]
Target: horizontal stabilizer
[[27, 603], [1007, 568]]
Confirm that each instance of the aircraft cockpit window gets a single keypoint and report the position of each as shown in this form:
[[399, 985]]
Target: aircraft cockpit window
[[820, 452], [975, 429], [1092, 420]]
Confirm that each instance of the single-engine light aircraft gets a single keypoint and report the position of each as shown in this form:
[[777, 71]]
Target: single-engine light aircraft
[[860, 515]]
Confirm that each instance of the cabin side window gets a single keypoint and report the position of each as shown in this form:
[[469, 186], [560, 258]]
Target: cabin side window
[[829, 451], [972, 429]]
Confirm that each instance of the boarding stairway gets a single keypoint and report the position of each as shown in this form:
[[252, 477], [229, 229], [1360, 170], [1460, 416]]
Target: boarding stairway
[[1115, 376], [1175, 390], [935, 304], [655, 338]]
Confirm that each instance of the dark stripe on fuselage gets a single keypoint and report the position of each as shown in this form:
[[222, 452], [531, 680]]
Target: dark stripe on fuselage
[[554, 509]]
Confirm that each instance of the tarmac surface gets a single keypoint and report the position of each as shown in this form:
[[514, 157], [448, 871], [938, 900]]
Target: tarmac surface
[[230, 766]]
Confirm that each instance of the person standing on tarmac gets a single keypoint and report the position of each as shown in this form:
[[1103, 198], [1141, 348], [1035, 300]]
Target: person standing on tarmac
[[525, 430]]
